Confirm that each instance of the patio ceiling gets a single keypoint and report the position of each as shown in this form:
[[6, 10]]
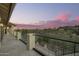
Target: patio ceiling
[[6, 11]]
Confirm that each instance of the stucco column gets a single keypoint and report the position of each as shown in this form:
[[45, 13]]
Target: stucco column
[[18, 35], [30, 41], [14, 33], [8, 30]]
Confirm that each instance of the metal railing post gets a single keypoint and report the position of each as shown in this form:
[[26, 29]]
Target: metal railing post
[[63, 51], [74, 49]]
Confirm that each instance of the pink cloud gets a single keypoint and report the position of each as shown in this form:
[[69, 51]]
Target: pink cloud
[[77, 18], [63, 16], [62, 19]]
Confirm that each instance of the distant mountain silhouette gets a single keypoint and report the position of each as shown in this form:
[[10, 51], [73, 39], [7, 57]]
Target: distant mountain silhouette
[[48, 24]]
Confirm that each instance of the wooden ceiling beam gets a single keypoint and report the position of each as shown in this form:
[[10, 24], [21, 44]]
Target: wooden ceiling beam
[[4, 6], [6, 11]]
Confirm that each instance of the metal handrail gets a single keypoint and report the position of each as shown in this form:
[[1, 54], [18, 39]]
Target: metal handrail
[[60, 40]]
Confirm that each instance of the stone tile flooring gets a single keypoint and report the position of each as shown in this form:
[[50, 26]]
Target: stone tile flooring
[[12, 47]]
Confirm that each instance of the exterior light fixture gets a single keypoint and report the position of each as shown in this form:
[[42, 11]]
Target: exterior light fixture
[[1, 25], [7, 27]]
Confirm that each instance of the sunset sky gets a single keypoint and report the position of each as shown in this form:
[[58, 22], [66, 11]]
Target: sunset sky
[[38, 13]]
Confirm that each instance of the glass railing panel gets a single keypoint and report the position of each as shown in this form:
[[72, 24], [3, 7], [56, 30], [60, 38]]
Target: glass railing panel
[[58, 46]]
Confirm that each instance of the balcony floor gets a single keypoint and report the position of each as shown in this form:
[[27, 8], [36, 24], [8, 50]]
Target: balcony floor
[[12, 47]]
